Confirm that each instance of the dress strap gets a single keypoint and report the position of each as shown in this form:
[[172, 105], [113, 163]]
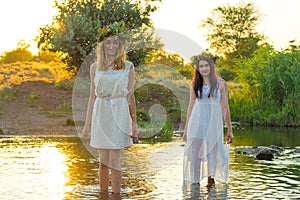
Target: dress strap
[[128, 65]]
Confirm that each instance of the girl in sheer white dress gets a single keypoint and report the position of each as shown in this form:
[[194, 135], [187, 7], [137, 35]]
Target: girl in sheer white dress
[[110, 120], [205, 155]]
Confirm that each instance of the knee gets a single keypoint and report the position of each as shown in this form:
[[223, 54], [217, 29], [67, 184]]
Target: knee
[[104, 161], [115, 163], [104, 166]]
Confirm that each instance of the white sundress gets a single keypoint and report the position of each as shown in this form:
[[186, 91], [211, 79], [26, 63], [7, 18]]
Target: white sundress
[[111, 125], [204, 153]]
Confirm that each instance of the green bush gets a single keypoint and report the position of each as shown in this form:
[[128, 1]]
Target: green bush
[[269, 89], [142, 118], [166, 133]]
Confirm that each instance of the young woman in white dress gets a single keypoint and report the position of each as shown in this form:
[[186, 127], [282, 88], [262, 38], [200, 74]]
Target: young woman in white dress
[[111, 114], [204, 154]]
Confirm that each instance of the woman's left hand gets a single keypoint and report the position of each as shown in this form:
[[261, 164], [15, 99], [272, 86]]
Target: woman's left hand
[[229, 137], [134, 135]]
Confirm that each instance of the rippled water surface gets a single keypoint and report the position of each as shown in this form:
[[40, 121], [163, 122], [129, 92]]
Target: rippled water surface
[[62, 168]]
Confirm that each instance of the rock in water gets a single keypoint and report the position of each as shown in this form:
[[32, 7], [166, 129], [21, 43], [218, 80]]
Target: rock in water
[[264, 154]]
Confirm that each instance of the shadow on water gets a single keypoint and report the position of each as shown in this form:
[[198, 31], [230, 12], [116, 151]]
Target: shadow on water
[[62, 168]]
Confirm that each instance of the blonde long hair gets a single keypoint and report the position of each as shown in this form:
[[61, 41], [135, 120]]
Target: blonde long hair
[[119, 62]]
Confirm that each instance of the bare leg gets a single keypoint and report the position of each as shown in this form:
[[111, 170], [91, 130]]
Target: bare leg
[[104, 170], [211, 162], [116, 175], [195, 160]]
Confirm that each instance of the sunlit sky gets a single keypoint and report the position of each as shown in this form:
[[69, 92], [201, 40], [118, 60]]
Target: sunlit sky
[[21, 19]]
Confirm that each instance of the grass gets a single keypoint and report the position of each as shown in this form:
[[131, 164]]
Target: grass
[[1, 112], [164, 135], [66, 84], [62, 110], [8, 94], [64, 107], [17, 73], [33, 99]]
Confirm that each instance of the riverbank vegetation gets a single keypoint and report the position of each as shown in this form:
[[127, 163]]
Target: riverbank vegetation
[[268, 90]]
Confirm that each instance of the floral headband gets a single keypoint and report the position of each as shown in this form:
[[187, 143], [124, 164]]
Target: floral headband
[[113, 29]]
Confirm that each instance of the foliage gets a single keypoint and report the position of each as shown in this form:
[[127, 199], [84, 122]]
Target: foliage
[[160, 56], [166, 133], [47, 56], [1, 116], [74, 29], [66, 84], [269, 87], [173, 60], [21, 53], [225, 72], [8, 94], [17, 73], [187, 71], [231, 30], [151, 94], [142, 118], [64, 107], [110, 30], [140, 42], [33, 99]]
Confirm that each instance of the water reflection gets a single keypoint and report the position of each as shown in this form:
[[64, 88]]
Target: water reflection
[[32, 170], [195, 191], [62, 168]]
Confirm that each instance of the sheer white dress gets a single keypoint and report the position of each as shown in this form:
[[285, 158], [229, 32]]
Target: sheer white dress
[[205, 153], [111, 125]]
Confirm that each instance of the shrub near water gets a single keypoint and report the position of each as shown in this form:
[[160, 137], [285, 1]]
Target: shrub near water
[[269, 88]]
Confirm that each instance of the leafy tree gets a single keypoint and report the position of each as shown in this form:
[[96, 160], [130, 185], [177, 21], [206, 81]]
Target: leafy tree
[[48, 56], [231, 30], [21, 54], [172, 60], [162, 57], [74, 29], [142, 42]]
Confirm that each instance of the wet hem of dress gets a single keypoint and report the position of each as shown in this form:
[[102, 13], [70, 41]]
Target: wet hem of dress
[[216, 178]]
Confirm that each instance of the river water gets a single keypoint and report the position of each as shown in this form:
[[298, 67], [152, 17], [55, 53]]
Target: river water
[[63, 168]]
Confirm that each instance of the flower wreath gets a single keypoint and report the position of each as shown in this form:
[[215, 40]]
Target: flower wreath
[[113, 29]]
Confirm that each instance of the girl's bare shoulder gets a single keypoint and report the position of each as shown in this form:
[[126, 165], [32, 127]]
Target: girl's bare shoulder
[[94, 66]]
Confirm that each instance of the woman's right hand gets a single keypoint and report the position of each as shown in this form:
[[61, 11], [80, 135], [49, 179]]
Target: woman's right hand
[[184, 136]]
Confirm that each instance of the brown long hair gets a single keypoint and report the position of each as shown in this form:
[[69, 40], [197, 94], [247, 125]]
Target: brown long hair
[[119, 62], [198, 79]]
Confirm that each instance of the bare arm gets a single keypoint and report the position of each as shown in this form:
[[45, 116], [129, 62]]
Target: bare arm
[[88, 119], [190, 108], [131, 102], [226, 110]]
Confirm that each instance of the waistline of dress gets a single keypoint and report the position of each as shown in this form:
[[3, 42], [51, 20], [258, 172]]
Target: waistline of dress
[[207, 101], [110, 98]]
